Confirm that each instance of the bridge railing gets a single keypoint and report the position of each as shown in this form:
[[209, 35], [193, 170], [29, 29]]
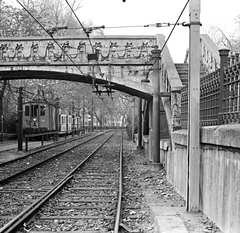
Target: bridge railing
[[219, 94], [170, 82], [209, 53]]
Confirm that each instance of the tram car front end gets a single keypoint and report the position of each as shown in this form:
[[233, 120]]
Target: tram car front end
[[38, 117]]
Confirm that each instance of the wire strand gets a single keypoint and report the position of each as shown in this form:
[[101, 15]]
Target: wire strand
[[83, 28], [170, 34], [50, 35]]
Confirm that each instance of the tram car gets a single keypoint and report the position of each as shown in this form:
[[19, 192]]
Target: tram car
[[38, 117], [69, 123], [76, 122], [65, 123]]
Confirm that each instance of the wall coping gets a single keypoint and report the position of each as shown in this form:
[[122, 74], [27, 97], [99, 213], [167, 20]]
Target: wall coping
[[221, 135]]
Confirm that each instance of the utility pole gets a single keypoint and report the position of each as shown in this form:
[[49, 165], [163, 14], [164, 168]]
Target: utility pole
[[20, 117], [193, 147], [92, 116], [83, 114], [20, 109]]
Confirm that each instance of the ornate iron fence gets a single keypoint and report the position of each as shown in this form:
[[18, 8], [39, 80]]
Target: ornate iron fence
[[219, 94]]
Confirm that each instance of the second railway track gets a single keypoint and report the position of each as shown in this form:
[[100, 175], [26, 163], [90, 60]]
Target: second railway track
[[16, 167], [26, 190], [82, 191]]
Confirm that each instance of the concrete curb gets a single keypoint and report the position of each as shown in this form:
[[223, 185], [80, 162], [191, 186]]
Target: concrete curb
[[167, 220]]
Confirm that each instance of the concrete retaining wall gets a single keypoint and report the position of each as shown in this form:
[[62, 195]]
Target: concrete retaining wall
[[219, 173]]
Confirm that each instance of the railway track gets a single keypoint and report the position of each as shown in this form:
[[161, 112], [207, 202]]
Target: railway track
[[39, 149], [25, 190], [84, 191], [16, 167]]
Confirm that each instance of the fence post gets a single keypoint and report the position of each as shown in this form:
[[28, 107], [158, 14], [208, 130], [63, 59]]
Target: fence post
[[223, 64]]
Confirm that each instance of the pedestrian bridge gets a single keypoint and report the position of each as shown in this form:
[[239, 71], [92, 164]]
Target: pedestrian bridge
[[107, 62], [122, 60]]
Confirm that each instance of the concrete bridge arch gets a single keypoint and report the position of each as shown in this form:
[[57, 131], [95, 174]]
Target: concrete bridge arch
[[60, 73]]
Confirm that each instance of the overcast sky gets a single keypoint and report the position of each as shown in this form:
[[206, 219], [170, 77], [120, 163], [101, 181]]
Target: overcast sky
[[111, 13]]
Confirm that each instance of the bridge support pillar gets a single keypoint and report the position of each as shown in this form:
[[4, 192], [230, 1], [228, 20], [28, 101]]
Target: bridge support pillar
[[150, 130], [139, 146], [133, 118], [156, 110]]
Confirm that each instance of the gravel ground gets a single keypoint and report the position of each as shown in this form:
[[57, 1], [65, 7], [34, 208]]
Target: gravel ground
[[158, 191]]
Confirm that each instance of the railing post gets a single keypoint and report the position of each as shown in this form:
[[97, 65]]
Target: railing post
[[223, 64]]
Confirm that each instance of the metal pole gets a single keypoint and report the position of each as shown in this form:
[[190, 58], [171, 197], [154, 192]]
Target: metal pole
[[20, 119], [150, 112], [133, 114], [92, 116], [193, 146], [57, 117], [83, 116], [2, 126], [140, 147], [156, 109]]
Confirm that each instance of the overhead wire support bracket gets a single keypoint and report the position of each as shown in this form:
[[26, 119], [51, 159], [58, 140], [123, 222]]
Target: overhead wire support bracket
[[192, 23], [88, 30], [52, 30]]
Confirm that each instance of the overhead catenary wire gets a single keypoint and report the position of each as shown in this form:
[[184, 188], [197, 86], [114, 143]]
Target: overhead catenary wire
[[49, 34], [83, 28], [170, 34], [86, 32], [90, 29], [157, 25]]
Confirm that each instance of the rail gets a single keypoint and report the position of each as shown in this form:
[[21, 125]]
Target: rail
[[29, 212], [119, 206]]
